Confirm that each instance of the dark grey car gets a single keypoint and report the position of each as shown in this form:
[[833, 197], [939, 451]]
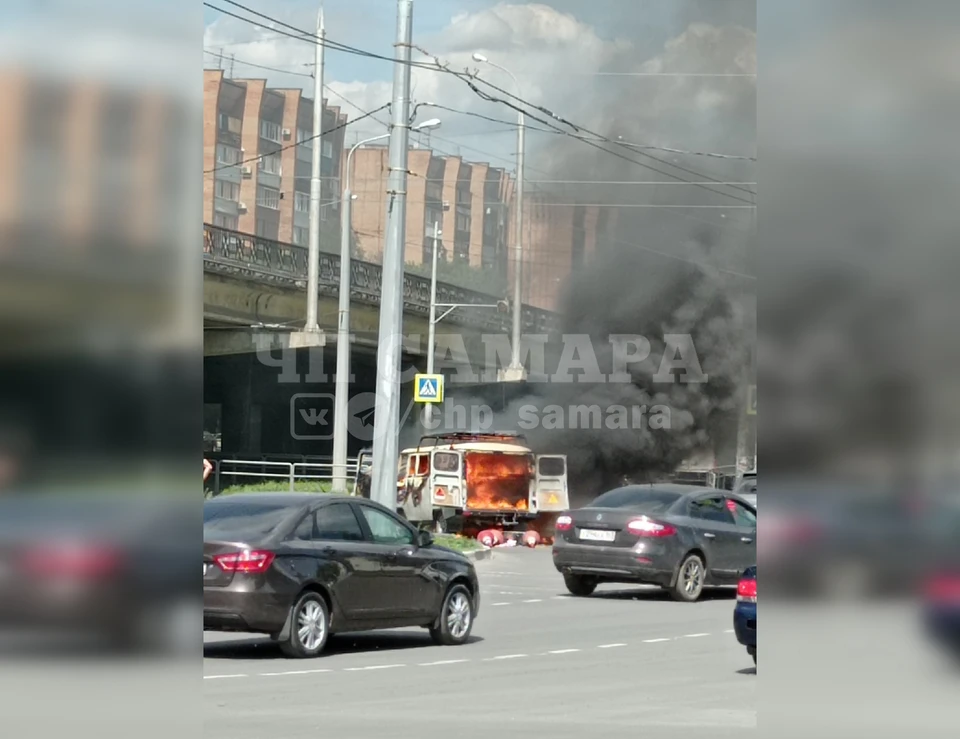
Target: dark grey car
[[300, 567], [680, 537]]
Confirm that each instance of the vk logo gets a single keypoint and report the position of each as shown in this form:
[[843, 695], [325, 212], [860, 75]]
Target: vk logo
[[313, 418]]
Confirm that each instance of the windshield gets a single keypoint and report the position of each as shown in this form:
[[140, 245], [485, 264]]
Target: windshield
[[552, 466], [647, 500], [235, 520]]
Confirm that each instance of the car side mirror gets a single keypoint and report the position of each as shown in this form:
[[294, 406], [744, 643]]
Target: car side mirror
[[425, 539]]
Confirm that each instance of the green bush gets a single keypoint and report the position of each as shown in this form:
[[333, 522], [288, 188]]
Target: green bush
[[457, 543], [281, 486]]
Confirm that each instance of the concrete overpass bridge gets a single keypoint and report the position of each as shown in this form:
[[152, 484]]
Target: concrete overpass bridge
[[257, 390]]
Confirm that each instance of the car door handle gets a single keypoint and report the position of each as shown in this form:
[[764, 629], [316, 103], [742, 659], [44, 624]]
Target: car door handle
[[709, 536], [328, 550], [746, 539]]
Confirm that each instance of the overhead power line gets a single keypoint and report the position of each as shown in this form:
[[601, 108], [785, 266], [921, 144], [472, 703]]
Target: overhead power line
[[303, 141], [471, 79]]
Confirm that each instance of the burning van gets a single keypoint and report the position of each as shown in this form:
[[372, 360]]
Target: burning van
[[476, 478]]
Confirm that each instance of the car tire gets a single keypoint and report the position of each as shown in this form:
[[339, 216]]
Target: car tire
[[455, 622], [309, 627], [580, 585], [690, 577]]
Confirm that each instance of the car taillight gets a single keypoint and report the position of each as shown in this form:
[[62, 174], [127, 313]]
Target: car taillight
[[564, 523], [250, 561], [747, 591], [943, 588], [71, 560], [645, 527]]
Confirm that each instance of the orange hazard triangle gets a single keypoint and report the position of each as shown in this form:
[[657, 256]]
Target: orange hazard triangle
[[553, 499]]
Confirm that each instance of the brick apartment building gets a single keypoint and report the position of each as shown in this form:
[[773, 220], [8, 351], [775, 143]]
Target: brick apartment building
[[89, 161], [480, 218], [256, 141], [474, 228]]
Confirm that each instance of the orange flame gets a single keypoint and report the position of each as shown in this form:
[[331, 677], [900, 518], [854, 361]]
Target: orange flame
[[497, 482]]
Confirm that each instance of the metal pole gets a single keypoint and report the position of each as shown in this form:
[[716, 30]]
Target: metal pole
[[341, 401], [432, 331], [515, 365], [313, 252], [342, 395], [389, 345]]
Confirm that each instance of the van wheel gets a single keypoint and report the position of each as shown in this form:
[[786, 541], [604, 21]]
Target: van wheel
[[690, 579], [309, 627], [580, 585], [455, 623]]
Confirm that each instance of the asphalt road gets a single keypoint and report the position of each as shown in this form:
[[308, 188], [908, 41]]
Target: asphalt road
[[621, 663]]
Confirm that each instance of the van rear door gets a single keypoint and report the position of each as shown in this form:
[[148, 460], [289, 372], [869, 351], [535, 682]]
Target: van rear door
[[447, 486], [551, 484]]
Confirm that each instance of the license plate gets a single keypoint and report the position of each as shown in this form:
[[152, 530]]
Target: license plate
[[594, 535]]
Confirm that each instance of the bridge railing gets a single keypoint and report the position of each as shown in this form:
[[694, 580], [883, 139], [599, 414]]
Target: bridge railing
[[286, 474], [264, 260]]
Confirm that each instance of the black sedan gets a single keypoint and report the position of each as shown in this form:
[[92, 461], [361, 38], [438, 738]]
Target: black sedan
[[301, 567], [680, 537]]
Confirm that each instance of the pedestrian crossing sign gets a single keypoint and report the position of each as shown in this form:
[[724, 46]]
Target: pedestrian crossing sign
[[428, 389]]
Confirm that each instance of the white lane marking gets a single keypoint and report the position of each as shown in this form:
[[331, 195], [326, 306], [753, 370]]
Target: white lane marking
[[221, 677], [372, 667], [293, 672], [653, 641], [500, 604], [506, 656], [443, 662], [563, 651], [728, 631], [534, 600], [610, 646], [560, 597], [693, 636]]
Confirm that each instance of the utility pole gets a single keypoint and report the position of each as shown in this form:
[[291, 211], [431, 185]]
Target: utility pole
[[432, 331], [386, 428], [313, 252], [515, 372], [342, 395]]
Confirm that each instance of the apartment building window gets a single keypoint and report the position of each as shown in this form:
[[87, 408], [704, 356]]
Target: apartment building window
[[328, 149], [300, 235], [305, 138], [270, 131], [435, 191], [463, 222], [301, 202], [270, 163], [225, 221], [461, 252], [227, 190], [268, 197], [228, 155], [261, 228], [229, 123]]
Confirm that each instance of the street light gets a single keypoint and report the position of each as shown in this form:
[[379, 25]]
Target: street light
[[342, 393], [515, 371]]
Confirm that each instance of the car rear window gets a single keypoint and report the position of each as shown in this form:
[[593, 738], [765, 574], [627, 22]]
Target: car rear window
[[240, 519], [646, 500]]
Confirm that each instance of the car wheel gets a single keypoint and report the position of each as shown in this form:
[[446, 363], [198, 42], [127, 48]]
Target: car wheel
[[690, 578], [580, 585], [456, 618], [309, 627]]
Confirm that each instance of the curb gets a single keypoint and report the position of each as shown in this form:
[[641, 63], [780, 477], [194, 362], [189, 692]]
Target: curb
[[479, 554]]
